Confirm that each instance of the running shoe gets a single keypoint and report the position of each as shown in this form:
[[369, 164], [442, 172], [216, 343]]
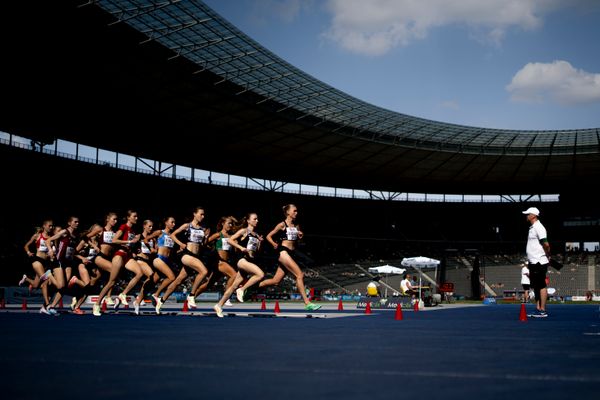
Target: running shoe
[[136, 308], [154, 299], [239, 293], [228, 303], [96, 310], [109, 301], [44, 310], [312, 307], [159, 304], [191, 301], [218, 310], [51, 311], [23, 279], [45, 276], [539, 314], [72, 281], [123, 299], [78, 311], [73, 303]]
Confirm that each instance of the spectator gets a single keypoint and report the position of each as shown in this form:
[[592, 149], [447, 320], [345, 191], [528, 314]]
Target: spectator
[[406, 287], [373, 287]]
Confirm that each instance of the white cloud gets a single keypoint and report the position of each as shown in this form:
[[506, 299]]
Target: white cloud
[[557, 81], [373, 27]]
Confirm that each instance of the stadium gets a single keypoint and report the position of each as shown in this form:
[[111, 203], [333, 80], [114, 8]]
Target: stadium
[[162, 106]]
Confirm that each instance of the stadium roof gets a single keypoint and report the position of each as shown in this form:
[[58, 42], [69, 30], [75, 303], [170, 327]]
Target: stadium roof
[[112, 73]]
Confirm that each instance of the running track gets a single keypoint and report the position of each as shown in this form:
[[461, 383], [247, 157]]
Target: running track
[[453, 353]]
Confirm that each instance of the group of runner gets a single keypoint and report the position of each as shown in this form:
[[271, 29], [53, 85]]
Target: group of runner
[[161, 259]]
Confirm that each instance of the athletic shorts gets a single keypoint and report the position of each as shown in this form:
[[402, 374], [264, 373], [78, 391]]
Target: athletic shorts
[[537, 275]]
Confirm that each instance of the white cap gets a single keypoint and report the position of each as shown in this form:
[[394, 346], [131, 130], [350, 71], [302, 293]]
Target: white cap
[[532, 210]]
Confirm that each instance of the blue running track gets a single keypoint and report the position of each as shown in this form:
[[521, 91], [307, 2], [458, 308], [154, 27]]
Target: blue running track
[[460, 353]]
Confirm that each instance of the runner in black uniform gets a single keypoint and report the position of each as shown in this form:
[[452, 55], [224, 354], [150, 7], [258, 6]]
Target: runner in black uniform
[[65, 255], [195, 236], [145, 252], [219, 264], [40, 261], [86, 252], [283, 238], [247, 242], [104, 258]]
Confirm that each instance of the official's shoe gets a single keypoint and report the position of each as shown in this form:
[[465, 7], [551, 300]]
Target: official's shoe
[[539, 314]]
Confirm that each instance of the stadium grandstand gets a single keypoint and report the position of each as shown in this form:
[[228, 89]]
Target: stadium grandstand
[[161, 106], [170, 103]]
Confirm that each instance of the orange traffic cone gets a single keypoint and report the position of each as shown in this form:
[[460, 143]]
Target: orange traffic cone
[[104, 307], [340, 306], [399, 316], [368, 308], [24, 305], [185, 306], [60, 303], [416, 306], [263, 305], [523, 314], [277, 310]]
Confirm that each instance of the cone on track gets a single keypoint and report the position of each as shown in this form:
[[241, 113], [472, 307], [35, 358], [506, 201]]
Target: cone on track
[[24, 304], [368, 308], [104, 307], [277, 310], [399, 316], [340, 306], [523, 314], [185, 306], [60, 304], [263, 305], [416, 306]]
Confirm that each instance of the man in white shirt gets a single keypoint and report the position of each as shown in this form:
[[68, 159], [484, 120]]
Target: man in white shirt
[[538, 255], [406, 286]]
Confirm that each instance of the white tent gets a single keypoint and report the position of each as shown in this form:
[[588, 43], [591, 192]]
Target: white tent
[[387, 270], [420, 262]]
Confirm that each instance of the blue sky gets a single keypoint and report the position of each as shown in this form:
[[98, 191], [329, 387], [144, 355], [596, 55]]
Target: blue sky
[[514, 64]]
